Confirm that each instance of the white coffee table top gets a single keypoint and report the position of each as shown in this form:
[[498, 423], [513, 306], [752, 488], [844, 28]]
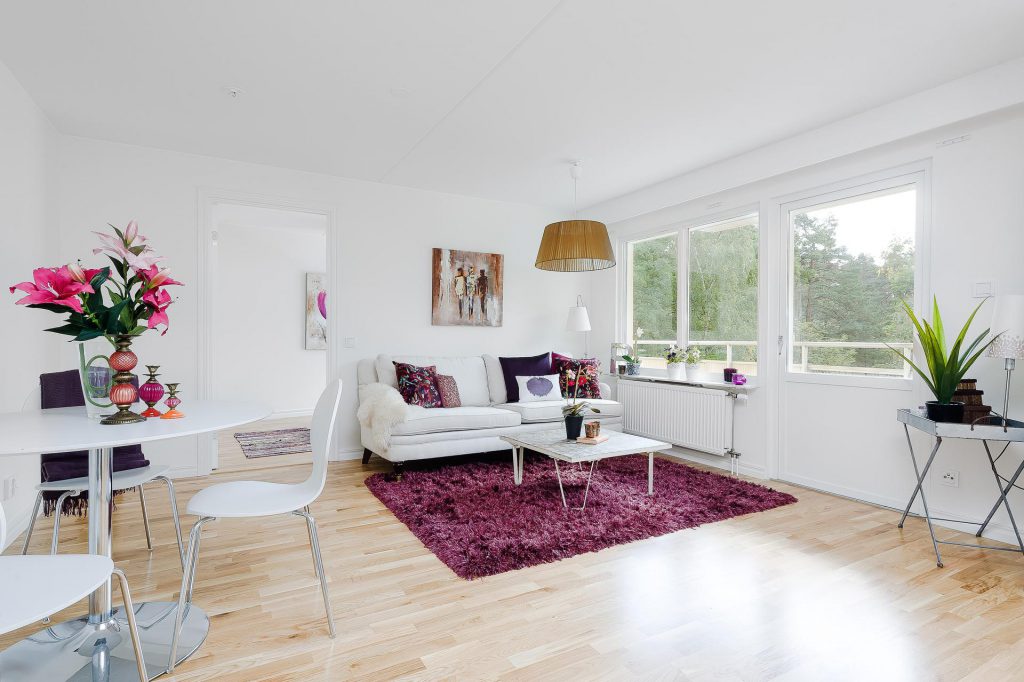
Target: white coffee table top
[[554, 444]]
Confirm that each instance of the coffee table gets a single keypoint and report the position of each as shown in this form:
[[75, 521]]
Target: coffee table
[[555, 445]]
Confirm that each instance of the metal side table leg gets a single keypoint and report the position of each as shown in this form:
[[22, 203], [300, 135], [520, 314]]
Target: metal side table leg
[[920, 489], [1003, 492]]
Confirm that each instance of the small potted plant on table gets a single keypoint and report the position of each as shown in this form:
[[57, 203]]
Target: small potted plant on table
[[945, 368], [573, 411]]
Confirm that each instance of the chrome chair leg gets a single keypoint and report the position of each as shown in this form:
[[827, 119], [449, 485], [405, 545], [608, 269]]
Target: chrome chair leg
[[32, 521], [57, 510], [174, 516], [145, 518], [188, 576], [133, 630], [314, 545]]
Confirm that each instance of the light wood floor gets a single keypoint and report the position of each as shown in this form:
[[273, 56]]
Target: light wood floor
[[825, 589]]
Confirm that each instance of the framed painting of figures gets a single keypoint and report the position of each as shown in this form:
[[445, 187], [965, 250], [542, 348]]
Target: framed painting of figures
[[467, 287]]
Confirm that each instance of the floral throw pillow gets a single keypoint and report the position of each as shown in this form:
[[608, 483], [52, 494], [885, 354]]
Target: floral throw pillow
[[449, 391], [587, 369], [418, 385]]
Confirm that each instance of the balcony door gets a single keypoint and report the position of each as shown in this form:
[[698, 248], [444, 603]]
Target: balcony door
[[850, 257]]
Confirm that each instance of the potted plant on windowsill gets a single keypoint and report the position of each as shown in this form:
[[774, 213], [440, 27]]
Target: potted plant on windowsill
[[945, 368], [573, 412], [679, 359]]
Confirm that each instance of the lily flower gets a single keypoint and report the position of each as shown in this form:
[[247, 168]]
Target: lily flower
[[146, 258], [131, 232], [54, 286], [159, 300], [157, 277]]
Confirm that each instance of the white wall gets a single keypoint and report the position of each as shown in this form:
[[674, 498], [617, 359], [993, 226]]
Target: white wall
[[976, 234], [383, 242], [264, 265], [27, 195]]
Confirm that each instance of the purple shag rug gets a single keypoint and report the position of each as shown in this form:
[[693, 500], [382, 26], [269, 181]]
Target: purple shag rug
[[478, 522]]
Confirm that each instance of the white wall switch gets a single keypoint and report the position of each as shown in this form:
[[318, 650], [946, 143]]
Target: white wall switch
[[349, 342], [982, 289]]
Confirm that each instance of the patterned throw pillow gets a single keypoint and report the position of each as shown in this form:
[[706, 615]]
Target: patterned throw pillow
[[588, 368], [418, 385], [449, 391]]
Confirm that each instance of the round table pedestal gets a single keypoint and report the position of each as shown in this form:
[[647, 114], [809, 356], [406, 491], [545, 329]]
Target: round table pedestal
[[82, 651]]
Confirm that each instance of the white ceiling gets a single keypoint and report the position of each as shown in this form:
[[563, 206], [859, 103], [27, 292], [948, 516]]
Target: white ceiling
[[488, 98]]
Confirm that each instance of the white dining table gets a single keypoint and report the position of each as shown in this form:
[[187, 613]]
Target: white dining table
[[96, 646]]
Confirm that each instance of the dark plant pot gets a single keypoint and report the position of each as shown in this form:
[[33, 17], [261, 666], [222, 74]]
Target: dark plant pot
[[944, 412], [573, 426]]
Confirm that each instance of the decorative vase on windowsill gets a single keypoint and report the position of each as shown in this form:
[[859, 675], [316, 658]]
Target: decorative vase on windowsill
[[135, 300], [680, 361]]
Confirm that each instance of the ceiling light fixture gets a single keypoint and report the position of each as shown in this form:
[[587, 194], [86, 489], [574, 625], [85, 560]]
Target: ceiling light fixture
[[575, 245]]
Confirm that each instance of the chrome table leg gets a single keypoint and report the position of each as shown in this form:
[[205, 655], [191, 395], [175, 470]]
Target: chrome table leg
[[919, 488], [1003, 492]]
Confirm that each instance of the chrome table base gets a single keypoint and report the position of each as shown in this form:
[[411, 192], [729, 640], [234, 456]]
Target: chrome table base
[[85, 652]]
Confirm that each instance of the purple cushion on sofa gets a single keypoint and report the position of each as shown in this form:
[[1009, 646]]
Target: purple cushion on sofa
[[535, 365]]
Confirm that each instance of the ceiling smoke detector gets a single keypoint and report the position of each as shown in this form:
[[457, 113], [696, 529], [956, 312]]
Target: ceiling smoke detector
[[234, 93]]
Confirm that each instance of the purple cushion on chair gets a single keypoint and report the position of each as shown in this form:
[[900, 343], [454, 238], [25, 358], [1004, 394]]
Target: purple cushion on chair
[[64, 389], [534, 365]]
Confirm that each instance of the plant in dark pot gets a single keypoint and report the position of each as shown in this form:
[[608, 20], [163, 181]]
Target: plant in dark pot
[[573, 411], [945, 368]]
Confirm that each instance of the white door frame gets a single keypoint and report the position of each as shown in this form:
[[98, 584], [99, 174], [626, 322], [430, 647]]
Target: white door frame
[[208, 198]]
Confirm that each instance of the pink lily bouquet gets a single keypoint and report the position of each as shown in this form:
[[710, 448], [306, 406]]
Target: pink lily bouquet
[[136, 298]]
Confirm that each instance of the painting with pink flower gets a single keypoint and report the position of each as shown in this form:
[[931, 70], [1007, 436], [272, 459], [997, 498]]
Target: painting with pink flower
[[316, 311]]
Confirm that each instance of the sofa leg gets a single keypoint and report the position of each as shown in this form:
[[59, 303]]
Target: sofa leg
[[366, 455], [398, 468]]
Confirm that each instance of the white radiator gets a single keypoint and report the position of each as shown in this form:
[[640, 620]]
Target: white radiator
[[688, 416]]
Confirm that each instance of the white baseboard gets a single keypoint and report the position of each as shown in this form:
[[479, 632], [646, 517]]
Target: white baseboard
[[995, 531], [716, 462], [346, 454]]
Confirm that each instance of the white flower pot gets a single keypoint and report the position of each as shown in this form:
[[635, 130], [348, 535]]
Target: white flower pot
[[676, 371]]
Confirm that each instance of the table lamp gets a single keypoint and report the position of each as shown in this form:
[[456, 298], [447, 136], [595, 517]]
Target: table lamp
[[1008, 323], [579, 321]]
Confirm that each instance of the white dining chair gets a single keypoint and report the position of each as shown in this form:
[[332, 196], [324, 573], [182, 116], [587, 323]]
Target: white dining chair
[[122, 480], [36, 587], [248, 499]]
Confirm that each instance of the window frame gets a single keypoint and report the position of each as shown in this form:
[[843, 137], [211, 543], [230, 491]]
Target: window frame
[[917, 176], [682, 230]]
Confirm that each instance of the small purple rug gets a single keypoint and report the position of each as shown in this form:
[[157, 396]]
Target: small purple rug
[[478, 522]]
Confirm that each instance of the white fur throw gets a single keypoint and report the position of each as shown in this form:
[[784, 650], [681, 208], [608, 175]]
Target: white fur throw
[[381, 409]]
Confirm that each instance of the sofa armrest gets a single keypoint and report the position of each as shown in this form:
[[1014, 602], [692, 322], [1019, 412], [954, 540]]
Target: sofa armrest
[[606, 391]]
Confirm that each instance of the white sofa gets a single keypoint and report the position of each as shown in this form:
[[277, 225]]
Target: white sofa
[[485, 414]]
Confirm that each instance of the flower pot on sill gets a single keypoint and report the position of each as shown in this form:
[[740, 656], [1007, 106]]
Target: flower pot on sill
[[944, 412], [676, 370], [632, 368], [573, 426]]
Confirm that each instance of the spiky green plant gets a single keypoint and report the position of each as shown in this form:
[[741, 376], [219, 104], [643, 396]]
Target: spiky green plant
[[945, 370]]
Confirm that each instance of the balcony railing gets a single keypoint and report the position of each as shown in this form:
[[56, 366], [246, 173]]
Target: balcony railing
[[804, 365]]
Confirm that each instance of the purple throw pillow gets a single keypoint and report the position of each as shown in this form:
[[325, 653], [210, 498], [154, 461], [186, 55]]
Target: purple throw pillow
[[449, 391], [535, 365], [418, 385]]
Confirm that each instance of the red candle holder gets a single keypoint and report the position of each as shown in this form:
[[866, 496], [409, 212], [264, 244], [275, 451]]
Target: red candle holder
[[172, 402], [151, 392]]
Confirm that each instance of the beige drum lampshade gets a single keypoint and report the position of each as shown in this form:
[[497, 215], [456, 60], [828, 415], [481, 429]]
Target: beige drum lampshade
[[575, 246]]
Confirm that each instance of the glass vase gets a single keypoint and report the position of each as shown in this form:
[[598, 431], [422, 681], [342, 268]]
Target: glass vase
[[96, 377]]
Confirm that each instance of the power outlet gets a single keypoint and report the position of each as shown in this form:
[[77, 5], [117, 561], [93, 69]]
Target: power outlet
[[950, 478]]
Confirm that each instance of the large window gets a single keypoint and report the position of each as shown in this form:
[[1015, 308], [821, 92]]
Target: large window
[[713, 268], [851, 265], [653, 296]]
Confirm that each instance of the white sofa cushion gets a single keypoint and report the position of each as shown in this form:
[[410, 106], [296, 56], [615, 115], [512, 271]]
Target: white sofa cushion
[[435, 420], [551, 410], [469, 373], [495, 380]]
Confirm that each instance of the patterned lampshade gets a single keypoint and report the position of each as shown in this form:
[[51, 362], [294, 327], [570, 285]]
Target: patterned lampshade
[[575, 246], [1008, 322]]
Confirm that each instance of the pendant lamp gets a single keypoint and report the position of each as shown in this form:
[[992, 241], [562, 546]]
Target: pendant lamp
[[575, 245]]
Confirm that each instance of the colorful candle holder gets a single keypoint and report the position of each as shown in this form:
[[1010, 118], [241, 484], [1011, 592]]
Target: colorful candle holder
[[151, 392], [172, 402]]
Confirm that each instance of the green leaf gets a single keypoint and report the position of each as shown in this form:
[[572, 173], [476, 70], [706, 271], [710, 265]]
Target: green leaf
[[52, 307], [87, 334], [67, 329]]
